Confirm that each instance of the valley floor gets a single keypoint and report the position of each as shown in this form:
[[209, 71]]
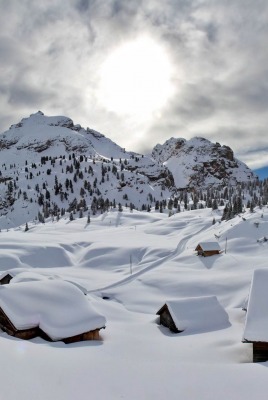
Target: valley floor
[[138, 261]]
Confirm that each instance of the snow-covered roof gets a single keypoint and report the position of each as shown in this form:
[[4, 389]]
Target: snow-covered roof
[[206, 246], [12, 272], [5, 273], [28, 276], [198, 314], [256, 327], [59, 308]]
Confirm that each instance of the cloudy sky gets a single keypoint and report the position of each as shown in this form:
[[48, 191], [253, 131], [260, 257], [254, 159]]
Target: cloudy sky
[[141, 71]]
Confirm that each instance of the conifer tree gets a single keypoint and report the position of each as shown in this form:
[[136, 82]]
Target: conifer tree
[[170, 204], [224, 214], [230, 213], [214, 205]]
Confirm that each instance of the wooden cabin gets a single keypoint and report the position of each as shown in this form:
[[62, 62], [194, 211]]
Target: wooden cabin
[[256, 325], [52, 309], [193, 315], [7, 326], [206, 249]]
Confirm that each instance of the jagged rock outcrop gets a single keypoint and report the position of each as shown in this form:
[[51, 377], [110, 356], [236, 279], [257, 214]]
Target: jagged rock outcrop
[[199, 162]]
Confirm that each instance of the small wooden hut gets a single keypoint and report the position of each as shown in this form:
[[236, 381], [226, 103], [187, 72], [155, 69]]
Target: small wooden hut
[[52, 309], [206, 249], [256, 326], [193, 315]]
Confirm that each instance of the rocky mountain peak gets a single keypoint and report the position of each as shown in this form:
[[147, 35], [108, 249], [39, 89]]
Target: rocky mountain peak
[[179, 162], [199, 162]]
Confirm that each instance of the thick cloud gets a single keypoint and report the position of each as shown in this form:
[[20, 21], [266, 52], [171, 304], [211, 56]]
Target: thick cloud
[[51, 53]]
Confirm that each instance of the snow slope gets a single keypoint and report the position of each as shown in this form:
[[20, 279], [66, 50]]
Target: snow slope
[[131, 263], [53, 135]]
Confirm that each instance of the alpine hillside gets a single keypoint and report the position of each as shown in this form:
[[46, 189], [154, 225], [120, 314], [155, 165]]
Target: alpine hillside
[[50, 166]]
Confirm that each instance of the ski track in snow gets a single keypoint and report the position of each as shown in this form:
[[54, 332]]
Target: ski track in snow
[[152, 265]]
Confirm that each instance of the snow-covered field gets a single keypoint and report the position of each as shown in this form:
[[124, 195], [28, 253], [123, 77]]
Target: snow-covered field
[[137, 262]]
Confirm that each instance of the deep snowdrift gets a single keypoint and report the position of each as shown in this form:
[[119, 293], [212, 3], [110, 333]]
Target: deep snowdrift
[[131, 264]]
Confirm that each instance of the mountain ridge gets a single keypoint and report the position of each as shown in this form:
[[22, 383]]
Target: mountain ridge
[[50, 165], [199, 162], [191, 158]]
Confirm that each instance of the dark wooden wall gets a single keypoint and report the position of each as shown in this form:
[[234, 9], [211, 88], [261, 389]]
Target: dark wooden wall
[[166, 320], [6, 279], [260, 351]]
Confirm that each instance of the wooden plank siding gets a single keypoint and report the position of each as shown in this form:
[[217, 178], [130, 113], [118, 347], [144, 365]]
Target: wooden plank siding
[[207, 253], [91, 335], [260, 351], [7, 326], [167, 320]]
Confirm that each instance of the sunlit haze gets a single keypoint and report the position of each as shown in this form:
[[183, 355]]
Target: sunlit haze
[[135, 79]]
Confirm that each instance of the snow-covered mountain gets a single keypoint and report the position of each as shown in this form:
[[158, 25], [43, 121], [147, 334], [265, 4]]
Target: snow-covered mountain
[[40, 135], [199, 163], [50, 162], [49, 166], [54, 136]]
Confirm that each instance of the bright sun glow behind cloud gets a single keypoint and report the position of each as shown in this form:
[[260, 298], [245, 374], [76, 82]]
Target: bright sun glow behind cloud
[[135, 80]]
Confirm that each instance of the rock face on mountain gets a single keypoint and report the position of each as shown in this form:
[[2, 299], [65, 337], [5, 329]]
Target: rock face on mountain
[[200, 163]]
